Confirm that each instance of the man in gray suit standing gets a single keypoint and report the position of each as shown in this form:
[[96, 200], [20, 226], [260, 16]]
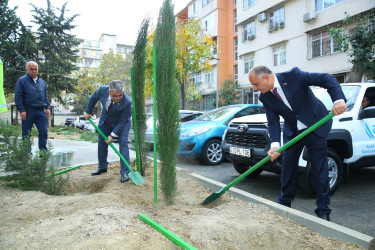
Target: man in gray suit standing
[[114, 122]]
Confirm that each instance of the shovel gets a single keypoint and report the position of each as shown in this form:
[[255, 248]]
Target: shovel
[[216, 195], [134, 176]]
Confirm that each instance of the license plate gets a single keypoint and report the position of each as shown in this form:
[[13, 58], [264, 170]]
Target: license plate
[[240, 151]]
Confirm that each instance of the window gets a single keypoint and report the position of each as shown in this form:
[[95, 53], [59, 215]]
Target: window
[[277, 19], [88, 43], [248, 3], [324, 4], [214, 47], [279, 56], [205, 2], [196, 78], [209, 77], [249, 31], [235, 48], [235, 21], [209, 22], [235, 73], [248, 63], [322, 44], [194, 7]]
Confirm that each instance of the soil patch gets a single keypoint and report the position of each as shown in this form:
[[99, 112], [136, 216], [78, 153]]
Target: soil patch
[[100, 212]]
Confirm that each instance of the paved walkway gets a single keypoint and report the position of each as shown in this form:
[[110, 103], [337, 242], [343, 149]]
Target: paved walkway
[[84, 153]]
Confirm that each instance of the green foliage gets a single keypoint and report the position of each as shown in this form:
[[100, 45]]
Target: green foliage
[[356, 34], [89, 136], [114, 67], [167, 100], [193, 54], [229, 94], [14, 38], [81, 104], [138, 92], [24, 170], [55, 43]]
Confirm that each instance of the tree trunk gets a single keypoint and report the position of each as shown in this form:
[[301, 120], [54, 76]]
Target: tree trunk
[[183, 95], [356, 74]]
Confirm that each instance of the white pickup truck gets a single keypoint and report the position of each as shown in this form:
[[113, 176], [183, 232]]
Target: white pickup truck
[[351, 141]]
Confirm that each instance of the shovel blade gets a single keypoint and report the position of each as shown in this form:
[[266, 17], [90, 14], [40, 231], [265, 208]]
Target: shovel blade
[[136, 178], [214, 196]]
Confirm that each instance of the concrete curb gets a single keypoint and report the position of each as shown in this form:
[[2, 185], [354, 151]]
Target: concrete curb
[[323, 227]]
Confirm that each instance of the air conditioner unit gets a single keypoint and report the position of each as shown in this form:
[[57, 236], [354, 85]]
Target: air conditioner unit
[[309, 16], [262, 17]]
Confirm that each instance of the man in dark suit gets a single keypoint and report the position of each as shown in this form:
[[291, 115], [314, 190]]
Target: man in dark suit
[[114, 122], [288, 94]]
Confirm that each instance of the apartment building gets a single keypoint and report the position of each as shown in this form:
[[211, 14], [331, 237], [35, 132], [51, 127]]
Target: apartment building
[[281, 34], [287, 33], [90, 52], [217, 18]]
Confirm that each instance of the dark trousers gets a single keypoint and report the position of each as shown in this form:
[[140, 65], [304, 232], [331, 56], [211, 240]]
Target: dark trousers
[[123, 143], [317, 148], [39, 118]]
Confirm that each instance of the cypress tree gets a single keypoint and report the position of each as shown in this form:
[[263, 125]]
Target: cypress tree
[[167, 100], [139, 67]]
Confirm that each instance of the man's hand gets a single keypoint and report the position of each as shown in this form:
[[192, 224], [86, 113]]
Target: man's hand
[[339, 107], [274, 155], [23, 115], [86, 116], [110, 139], [48, 112]]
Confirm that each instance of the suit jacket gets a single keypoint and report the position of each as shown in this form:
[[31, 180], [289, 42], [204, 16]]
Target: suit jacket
[[305, 106], [119, 114]]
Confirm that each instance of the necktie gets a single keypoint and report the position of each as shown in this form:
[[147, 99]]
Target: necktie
[[109, 108], [277, 94]]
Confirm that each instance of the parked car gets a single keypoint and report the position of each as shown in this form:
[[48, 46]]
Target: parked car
[[79, 121], [88, 126], [69, 121], [201, 137], [185, 115]]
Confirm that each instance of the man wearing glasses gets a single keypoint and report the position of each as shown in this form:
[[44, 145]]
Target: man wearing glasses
[[114, 122]]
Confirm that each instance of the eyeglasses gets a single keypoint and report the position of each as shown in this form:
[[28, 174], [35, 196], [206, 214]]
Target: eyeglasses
[[117, 96]]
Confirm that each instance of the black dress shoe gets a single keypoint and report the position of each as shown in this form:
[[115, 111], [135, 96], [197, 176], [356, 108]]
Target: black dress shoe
[[124, 178], [99, 171], [324, 217]]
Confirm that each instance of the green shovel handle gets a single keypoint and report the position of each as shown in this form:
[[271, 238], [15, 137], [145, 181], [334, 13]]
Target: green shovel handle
[[287, 145], [111, 144]]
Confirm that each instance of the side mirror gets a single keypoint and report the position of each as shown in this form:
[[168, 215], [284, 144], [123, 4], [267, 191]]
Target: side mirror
[[368, 112]]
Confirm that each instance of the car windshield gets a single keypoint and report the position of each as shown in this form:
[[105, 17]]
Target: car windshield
[[350, 92], [218, 114]]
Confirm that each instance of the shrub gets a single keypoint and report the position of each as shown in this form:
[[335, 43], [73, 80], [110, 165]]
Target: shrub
[[24, 170]]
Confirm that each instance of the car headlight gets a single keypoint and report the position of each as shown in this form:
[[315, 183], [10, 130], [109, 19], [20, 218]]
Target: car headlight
[[196, 131]]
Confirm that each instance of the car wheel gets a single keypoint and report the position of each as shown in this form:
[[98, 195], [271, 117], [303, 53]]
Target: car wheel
[[242, 168], [212, 153], [335, 173]]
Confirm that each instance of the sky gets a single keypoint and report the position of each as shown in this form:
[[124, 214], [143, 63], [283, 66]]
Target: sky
[[122, 18]]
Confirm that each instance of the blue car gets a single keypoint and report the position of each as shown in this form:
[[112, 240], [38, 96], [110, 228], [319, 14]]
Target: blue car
[[201, 137]]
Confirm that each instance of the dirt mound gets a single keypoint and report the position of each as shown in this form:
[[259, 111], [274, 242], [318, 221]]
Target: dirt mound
[[101, 212]]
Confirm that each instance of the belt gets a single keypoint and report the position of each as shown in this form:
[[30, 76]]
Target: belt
[[34, 108]]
